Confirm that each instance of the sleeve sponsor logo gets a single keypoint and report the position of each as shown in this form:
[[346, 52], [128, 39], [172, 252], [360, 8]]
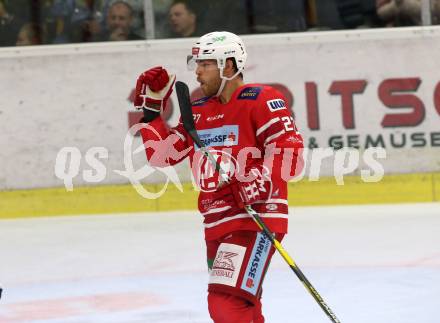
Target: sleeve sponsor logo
[[254, 271], [275, 105], [223, 136], [249, 93], [227, 264]]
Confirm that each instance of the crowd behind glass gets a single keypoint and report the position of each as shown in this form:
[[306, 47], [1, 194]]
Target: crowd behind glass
[[33, 22]]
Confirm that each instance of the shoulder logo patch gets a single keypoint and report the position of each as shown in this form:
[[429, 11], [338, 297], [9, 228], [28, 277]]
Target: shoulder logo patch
[[275, 105], [249, 93]]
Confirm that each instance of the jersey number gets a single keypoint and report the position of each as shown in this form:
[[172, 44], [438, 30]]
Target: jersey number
[[289, 123], [196, 117]]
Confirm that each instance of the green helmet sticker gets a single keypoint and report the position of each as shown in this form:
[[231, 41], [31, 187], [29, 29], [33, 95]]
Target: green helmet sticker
[[221, 38]]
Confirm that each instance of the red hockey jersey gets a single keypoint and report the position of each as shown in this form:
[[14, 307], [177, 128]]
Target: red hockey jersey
[[253, 129]]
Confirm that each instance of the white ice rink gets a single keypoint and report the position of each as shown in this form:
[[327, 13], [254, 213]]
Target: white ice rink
[[372, 264]]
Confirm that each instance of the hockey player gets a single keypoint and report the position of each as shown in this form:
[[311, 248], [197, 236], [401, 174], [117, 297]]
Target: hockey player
[[250, 129]]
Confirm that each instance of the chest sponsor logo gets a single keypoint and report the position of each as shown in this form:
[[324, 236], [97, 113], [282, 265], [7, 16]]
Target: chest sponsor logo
[[222, 136], [227, 264], [217, 117], [249, 93], [254, 271], [275, 105]]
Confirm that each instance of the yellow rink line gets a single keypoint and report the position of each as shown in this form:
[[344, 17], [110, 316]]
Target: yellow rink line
[[423, 187]]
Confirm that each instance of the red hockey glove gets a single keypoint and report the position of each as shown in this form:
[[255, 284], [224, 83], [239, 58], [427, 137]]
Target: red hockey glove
[[255, 187], [153, 88]]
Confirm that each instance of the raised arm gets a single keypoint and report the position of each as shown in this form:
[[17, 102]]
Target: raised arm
[[164, 146]]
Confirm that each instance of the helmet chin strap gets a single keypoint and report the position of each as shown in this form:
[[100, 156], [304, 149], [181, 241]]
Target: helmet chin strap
[[221, 87], [224, 79]]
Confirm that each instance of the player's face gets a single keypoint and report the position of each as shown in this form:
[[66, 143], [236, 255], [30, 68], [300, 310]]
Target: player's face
[[208, 75]]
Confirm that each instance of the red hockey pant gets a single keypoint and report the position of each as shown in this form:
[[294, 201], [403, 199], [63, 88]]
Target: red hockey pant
[[225, 308], [233, 304]]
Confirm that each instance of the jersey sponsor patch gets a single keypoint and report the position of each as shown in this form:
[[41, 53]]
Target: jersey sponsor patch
[[222, 136], [254, 270], [227, 264], [276, 104], [249, 93]]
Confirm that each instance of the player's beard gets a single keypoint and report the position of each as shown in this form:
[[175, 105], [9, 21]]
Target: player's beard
[[210, 88]]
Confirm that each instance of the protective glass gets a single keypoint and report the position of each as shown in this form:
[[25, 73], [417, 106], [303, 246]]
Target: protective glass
[[191, 63]]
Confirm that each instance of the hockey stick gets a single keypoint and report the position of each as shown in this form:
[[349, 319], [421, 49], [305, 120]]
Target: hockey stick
[[188, 123]]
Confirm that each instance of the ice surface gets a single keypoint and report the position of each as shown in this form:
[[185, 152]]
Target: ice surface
[[376, 264]]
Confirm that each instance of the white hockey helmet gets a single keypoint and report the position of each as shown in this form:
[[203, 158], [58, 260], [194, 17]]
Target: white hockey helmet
[[219, 45]]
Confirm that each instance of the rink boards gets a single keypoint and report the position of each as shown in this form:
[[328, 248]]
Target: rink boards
[[360, 89], [123, 198]]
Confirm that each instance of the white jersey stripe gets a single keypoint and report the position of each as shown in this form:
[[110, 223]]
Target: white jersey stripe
[[243, 216], [219, 209], [267, 125], [268, 139], [279, 201], [178, 134]]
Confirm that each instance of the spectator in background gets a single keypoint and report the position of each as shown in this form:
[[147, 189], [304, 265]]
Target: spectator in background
[[78, 20], [119, 23], [9, 26], [435, 12], [21, 9], [344, 14], [274, 16], [183, 19], [44, 17], [85, 20], [230, 15], [138, 22], [396, 13], [161, 21], [30, 34], [358, 13]]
